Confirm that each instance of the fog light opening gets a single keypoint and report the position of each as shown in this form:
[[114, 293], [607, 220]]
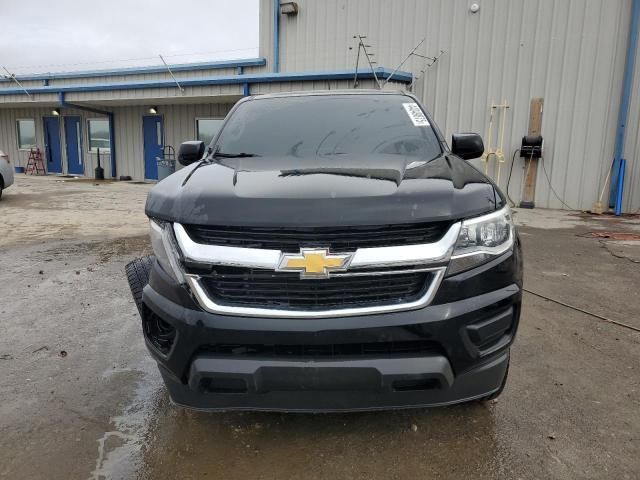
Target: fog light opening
[[160, 333]]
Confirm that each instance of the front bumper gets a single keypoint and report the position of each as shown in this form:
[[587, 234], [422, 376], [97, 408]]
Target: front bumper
[[212, 363], [333, 386]]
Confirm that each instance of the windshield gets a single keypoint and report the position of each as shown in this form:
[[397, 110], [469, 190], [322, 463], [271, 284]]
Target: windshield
[[325, 125]]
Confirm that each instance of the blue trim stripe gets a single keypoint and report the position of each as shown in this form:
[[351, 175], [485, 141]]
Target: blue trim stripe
[[382, 73], [181, 67]]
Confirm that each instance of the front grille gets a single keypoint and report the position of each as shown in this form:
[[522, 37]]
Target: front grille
[[284, 290], [337, 239], [378, 349]]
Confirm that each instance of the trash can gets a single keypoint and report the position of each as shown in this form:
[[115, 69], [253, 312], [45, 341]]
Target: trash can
[[165, 167], [166, 163]]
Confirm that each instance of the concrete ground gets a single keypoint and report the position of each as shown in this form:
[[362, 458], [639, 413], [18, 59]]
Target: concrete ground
[[80, 397]]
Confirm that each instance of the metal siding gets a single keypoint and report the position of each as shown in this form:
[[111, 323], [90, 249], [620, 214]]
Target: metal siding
[[21, 98], [151, 94], [64, 78], [134, 78], [632, 146], [265, 32], [570, 52]]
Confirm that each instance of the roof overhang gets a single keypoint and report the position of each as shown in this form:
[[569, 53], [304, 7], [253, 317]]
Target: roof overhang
[[381, 73], [178, 67], [212, 89]]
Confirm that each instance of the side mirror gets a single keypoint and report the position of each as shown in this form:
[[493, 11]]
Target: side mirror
[[190, 152], [467, 145]]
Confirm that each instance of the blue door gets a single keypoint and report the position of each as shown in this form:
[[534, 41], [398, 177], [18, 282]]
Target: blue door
[[153, 143], [73, 145], [53, 153]]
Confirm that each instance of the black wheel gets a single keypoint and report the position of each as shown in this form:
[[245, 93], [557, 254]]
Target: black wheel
[[1, 186], [138, 276], [497, 393]]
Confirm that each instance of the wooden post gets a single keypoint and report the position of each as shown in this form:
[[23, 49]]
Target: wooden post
[[535, 128]]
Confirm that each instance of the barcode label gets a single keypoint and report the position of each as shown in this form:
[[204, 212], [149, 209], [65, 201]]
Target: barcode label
[[416, 114]]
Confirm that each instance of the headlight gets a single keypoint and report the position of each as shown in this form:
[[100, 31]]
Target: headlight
[[482, 239], [166, 250]]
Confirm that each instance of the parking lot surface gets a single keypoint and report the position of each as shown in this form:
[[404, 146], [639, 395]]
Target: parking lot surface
[[80, 397]]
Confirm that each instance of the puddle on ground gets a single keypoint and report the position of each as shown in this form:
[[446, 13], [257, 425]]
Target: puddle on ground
[[153, 439], [119, 451]]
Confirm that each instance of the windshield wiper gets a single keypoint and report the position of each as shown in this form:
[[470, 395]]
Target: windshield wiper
[[202, 162], [233, 155]]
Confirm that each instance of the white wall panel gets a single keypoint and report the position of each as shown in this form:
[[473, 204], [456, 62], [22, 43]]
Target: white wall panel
[[570, 52]]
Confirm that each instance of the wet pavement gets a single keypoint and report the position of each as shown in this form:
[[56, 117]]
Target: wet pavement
[[80, 397]]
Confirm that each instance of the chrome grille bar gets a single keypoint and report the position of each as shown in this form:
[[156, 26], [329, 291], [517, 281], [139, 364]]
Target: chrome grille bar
[[431, 257], [210, 305], [426, 254]]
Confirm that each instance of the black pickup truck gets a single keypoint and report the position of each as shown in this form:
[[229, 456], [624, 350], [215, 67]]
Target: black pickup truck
[[328, 251]]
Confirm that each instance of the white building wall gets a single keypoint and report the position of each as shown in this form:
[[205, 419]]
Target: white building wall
[[570, 52], [632, 146]]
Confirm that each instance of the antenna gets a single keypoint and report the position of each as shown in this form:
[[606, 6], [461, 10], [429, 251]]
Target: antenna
[[172, 76], [355, 75], [411, 53], [428, 63], [369, 56], [12, 76]]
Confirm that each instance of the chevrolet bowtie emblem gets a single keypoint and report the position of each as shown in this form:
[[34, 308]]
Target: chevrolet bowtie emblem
[[313, 263]]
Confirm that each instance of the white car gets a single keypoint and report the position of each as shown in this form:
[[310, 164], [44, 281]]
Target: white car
[[6, 172]]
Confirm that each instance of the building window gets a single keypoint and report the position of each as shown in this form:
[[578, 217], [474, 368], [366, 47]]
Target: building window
[[207, 128], [26, 134], [99, 135]]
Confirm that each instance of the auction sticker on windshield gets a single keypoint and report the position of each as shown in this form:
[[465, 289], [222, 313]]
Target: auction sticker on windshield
[[416, 114]]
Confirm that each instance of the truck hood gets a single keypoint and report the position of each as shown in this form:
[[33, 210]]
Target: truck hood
[[339, 190]]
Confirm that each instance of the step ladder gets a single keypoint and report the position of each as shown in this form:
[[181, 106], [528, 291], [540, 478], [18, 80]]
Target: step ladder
[[35, 164]]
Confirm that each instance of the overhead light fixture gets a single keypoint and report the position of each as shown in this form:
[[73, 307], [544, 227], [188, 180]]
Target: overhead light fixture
[[56, 112], [289, 8], [153, 110]]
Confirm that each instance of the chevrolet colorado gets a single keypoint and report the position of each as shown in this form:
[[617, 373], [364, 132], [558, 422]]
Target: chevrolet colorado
[[328, 251]]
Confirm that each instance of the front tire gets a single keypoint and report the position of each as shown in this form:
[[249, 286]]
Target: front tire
[[138, 276]]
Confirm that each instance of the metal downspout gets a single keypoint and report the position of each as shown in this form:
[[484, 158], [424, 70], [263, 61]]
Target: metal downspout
[[623, 114], [276, 36], [112, 144]]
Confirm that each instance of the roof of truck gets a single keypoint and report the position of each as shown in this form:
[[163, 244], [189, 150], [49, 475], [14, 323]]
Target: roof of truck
[[364, 91]]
